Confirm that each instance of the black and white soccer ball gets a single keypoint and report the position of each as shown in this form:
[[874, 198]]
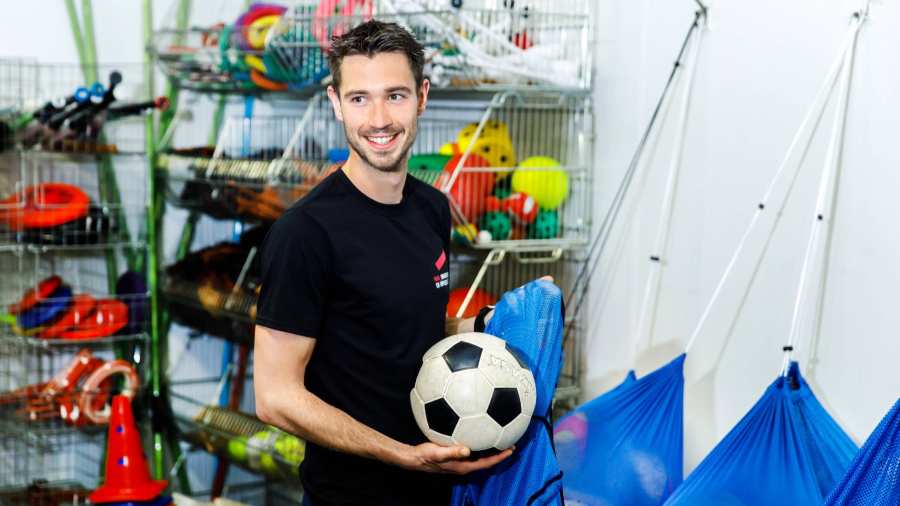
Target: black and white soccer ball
[[473, 390]]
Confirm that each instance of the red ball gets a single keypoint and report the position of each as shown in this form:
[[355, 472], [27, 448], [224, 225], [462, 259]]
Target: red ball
[[492, 203], [521, 207], [470, 189], [479, 299]]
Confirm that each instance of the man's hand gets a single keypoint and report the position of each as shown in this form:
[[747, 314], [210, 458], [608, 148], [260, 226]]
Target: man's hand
[[433, 458]]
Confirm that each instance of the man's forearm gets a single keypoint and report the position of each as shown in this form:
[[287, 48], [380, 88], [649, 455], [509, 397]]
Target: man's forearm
[[313, 419]]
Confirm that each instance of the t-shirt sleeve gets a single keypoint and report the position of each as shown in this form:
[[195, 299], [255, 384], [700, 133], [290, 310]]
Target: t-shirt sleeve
[[296, 275]]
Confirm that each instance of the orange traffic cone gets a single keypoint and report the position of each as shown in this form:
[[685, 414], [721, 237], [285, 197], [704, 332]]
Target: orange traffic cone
[[127, 474]]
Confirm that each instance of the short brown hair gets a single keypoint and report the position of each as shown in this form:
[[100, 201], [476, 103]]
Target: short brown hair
[[371, 38]]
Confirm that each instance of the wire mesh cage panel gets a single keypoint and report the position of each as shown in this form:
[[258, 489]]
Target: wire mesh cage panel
[[481, 278], [69, 460], [258, 167], [18, 85], [82, 110], [50, 297], [59, 201], [223, 49], [486, 45]]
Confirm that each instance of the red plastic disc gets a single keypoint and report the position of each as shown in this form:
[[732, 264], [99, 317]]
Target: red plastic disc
[[81, 308], [108, 317], [44, 205], [33, 296]]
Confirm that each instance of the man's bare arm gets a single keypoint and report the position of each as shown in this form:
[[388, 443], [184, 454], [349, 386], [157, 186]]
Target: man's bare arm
[[280, 360]]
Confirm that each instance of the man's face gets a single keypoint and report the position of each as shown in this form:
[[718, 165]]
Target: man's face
[[379, 106]]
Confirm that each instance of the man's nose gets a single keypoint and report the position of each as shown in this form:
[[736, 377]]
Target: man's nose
[[379, 117]]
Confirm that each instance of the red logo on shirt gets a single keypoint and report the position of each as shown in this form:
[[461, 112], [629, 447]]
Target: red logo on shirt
[[442, 279]]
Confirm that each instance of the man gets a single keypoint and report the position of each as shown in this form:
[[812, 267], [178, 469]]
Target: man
[[349, 302]]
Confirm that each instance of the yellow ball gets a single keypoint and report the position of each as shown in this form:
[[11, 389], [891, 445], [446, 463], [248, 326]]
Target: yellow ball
[[497, 151], [449, 149], [549, 187], [493, 129], [290, 448]]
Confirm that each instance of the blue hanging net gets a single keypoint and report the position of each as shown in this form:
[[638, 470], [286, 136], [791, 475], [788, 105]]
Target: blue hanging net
[[530, 319], [786, 450], [625, 447], [873, 478]]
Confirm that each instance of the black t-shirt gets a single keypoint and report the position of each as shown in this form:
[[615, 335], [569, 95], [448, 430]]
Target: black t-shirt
[[368, 281]]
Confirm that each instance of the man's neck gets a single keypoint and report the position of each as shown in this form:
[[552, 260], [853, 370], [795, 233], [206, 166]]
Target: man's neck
[[380, 186]]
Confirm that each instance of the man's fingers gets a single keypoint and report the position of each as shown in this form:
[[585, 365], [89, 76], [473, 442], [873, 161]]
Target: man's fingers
[[547, 278], [476, 465], [442, 454]]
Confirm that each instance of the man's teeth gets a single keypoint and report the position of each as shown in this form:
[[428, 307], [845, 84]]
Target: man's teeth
[[381, 140]]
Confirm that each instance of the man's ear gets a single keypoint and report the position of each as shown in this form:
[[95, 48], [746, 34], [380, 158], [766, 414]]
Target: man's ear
[[335, 102], [423, 95]]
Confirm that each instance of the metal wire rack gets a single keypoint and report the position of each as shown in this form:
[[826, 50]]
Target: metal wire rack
[[67, 203], [77, 459], [79, 111], [257, 168], [487, 275], [469, 45], [243, 439], [226, 53], [18, 83]]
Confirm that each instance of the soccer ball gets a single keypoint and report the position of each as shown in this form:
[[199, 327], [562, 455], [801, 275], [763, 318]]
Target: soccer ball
[[473, 390]]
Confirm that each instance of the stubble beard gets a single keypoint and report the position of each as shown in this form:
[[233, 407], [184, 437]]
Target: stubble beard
[[394, 165]]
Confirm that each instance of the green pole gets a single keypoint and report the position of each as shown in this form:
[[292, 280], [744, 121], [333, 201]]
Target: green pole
[[87, 15], [156, 355], [76, 31], [182, 15]]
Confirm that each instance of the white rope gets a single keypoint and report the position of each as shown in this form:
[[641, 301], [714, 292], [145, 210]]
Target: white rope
[[811, 115], [649, 304], [824, 203]]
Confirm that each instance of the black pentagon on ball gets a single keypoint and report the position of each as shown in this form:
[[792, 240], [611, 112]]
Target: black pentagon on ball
[[462, 355], [440, 417], [505, 405]]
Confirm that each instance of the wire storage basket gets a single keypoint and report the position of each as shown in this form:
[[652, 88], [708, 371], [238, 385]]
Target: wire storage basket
[[66, 204], [482, 45], [84, 110], [517, 171], [258, 167], [225, 51], [244, 440]]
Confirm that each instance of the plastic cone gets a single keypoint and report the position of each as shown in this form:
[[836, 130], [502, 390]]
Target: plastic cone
[[127, 474]]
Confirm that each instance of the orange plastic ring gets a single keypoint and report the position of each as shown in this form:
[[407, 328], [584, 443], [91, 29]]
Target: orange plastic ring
[[108, 317], [45, 205], [90, 403], [81, 308], [265, 83]]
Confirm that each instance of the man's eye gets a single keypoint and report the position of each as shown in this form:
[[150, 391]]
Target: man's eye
[[396, 96], [356, 100]]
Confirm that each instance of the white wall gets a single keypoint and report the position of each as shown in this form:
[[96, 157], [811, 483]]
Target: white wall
[[760, 65]]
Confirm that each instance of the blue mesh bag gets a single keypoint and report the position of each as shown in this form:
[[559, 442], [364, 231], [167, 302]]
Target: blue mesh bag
[[530, 319], [625, 447], [786, 450], [873, 478]]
